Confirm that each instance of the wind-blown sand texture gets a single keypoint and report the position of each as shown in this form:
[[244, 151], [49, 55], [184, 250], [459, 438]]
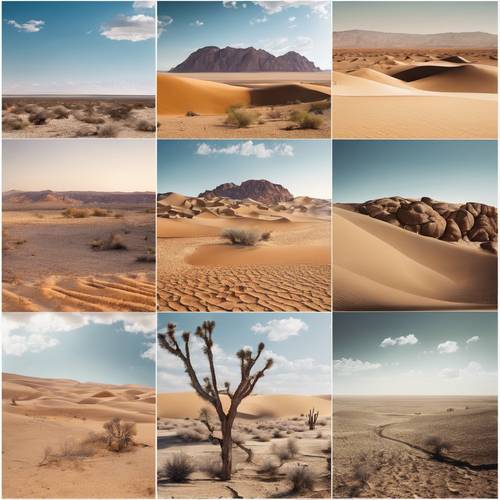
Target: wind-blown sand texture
[[421, 94], [379, 266], [264, 421], [199, 271], [49, 263], [380, 448], [51, 412], [78, 116], [273, 96]]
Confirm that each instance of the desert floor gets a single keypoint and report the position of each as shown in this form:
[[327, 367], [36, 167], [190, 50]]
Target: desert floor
[[199, 271], [380, 451], [379, 266], [265, 422], [49, 263], [195, 105], [421, 94], [124, 117], [60, 414]]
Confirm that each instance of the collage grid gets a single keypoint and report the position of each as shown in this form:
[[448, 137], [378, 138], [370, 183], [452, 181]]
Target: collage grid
[[249, 249]]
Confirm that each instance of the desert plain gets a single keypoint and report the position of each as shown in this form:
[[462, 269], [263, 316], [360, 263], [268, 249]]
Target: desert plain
[[52, 439], [78, 251], [204, 266], [274, 427], [388, 447]]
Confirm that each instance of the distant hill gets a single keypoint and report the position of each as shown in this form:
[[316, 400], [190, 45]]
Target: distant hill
[[361, 39], [51, 198], [229, 59], [259, 190]]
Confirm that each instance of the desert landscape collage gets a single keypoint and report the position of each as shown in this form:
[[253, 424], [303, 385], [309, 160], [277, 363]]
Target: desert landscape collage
[[249, 249]]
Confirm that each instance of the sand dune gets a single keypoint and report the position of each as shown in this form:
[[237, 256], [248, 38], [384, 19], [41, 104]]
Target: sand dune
[[189, 404], [65, 411], [379, 266]]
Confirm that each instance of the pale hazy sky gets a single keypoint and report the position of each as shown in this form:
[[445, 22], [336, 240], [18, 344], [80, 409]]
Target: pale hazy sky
[[79, 165], [415, 353]]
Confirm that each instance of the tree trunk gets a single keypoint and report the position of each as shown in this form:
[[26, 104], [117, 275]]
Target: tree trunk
[[227, 450]]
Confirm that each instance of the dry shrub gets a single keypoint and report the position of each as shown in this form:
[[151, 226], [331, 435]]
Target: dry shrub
[[59, 112], [119, 112], [108, 130], [278, 434], [240, 118], [76, 213], [274, 114], [318, 107], [244, 237], [178, 468], [114, 242], [192, 113], [269, 467], [99, 212], [305, 120], [69, 450], [212, 469], [88, 117], [191, 435], [287, 450], [39, 117], [119, 434], [302, 479], [145, 126], [437, 445], [263, 437], [13, 122]]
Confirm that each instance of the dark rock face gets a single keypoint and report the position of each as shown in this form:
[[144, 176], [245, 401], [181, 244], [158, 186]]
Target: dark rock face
[[259, 190], [229, 59], [469, 222]]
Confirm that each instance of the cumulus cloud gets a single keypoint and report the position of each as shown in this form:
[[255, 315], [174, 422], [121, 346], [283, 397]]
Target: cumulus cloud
[[247, 148], [258, 20], [278, 330], [448, 347], [197, 23], [144, 4], [399, 341], [471, 370], [136, 28], [319, 8], [163, 22], [32, 26], [472, 340], [348, 366]]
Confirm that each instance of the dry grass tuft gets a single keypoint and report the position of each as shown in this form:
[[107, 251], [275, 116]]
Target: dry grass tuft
[[178, 468]]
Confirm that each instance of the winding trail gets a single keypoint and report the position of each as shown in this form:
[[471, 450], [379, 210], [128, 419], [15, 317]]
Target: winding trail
[[448, 460]]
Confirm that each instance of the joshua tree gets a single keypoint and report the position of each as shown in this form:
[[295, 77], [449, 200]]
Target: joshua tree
[[209, 390], [312, 418]]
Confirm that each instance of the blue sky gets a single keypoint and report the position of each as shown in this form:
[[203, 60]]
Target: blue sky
[[78, 47], [277, 27], [101, 347], [415, 353], [191, 167], [416, 17], [76, 165], [450, 171], [300, 345]]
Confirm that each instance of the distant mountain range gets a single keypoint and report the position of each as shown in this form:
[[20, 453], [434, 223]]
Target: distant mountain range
[[60, 198], [259, 190], [361, 39], [230, 59]]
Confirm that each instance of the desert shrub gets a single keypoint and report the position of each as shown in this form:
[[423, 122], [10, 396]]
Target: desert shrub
[[59, 112], [38, 117], [285, 451], [241, 237], [108, 130], [149, 257], [212, 469], [266, 236], [76, 213], [192, 113], [85, 131], [88, 117], [278, 434], [362, 472], [302, 479], [263, 437], [99, 212], [239, 438], [191, 435], [119, 434], [69, 450], [437, 445], [119, 112], [145, 126], [178, 468], [13, 122], [269, 467], [305, 120], [241, 118], [274, 114], [319, 107], [118, 216], [114, 242]]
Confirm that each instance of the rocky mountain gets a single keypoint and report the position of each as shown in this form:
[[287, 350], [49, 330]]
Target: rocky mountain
[[230, 59], [362, 39], [259, 190], [60, 198]]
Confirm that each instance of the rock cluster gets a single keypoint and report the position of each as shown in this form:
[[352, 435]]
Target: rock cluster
[[472, 222]]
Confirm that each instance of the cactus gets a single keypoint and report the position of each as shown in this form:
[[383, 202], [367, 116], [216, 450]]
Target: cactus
[[312, 418]]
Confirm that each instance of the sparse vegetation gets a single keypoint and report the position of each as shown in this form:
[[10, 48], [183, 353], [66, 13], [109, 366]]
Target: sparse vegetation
[[318, 107], [145, 126], [213, 469], [114, 242], [241, 118], [244, 237], [59, 112], [312, 418], [88, 117], [69, 450], [99, 212], [38, 117], [437, 445], [285, 451], [305, 120], [150, 256], [178, 468], [302, 479], [119, 434], [274, 114], [13, 122], [76, 213], [119, 112], [107, 130]]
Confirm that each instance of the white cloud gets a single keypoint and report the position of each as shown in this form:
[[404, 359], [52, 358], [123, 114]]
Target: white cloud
[[348, 366], [292, 19], [230, 4], [281, 329], [472, 339], [17, 345], [163, 22], [247, 148], [150, 352], [32, 26], [197, 23], [398, 341], [282, 45], [144, 4], [319, 8], [258, 20], [448, 347], [472, 370], [136, 28]]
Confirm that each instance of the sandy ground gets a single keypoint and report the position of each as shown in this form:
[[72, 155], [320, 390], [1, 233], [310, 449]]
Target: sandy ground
[[86, 117], [49, 264], [52, 412], [380, 451], [207, 98], [417, 94], [200, 271], [378, 266], [265, 422]]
